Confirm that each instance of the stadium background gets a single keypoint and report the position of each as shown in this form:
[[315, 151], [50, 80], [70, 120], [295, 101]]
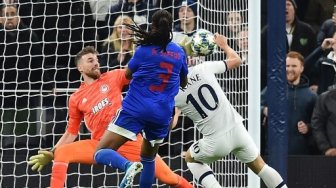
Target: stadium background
[[34, 115]]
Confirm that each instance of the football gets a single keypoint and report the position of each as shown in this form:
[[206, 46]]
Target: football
[[202, 43]]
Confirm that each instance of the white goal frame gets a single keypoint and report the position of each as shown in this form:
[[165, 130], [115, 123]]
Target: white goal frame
[[254, 12]]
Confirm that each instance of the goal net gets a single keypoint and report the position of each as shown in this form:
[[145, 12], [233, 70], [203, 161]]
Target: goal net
[[38, 75]]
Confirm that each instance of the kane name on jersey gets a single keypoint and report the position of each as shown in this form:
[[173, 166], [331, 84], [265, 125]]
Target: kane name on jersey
[[191, 81]]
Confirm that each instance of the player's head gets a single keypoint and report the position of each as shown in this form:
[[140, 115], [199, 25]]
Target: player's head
[[162, 26], [187, 11], [243, 39], [161, 30], [9, 16], [120, 32], [290, 11], [87, 62], [294, 67], [234, 20]]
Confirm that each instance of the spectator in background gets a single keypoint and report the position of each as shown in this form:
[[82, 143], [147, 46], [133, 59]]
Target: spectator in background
[[100, 9], [324, 122], [21, 80], [242, 42], [140, 11], [21, 54], [234, 22], [324, 41], [313, 66], [301, 102], [118, 48], [301, 10], [318, 11], [24, 9], [187, 17], [300, 37], [325, 67], [327, 30], [64, 31]]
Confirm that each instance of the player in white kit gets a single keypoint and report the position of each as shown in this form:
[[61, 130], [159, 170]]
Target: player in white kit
[[204, 102]]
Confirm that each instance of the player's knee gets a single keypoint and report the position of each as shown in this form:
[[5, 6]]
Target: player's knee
[[98, 156]]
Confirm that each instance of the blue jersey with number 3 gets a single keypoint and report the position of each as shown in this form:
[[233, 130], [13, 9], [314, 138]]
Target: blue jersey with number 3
[[155, 83]]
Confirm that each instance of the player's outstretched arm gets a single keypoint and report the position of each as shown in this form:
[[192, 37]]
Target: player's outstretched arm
[[40, 160], [66, 138], [233, 60], [45, 157]]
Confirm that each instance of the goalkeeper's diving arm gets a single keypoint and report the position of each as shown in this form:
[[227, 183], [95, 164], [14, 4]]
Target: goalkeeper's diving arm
[[44, 157], [66, 138]]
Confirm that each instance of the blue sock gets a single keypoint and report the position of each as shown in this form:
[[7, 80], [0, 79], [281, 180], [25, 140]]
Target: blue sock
[[147, 174], [111, 158]]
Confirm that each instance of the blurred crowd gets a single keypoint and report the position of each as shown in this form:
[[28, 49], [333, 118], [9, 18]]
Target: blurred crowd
[[310, 72], [40, 38]]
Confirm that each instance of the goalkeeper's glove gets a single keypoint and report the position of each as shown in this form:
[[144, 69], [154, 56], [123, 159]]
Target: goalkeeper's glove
[[186, 45], [40, 160]]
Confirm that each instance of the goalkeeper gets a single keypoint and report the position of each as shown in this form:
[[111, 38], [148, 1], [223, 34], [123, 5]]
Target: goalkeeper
[[97, 101]]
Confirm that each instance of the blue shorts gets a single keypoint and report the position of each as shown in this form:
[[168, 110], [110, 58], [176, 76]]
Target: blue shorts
[[129, 126]]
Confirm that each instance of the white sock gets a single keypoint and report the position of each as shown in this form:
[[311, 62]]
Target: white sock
[[203, 173], [271, 177]]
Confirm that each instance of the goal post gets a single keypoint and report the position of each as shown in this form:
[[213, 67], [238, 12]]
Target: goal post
[[35, 118], [254, 80]]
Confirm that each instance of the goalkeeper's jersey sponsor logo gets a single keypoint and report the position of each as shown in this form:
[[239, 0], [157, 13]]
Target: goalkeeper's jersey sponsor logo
[[100, 105], [104, 88]]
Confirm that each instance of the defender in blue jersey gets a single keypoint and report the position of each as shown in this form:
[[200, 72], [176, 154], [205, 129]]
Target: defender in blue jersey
[[154, 85], [157, 69]]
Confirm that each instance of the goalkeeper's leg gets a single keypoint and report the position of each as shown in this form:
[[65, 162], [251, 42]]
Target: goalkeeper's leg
[[167, 176], [83, 151], [76, 152]]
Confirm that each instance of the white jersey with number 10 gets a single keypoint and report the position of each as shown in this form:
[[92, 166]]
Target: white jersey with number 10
[[204, 101]]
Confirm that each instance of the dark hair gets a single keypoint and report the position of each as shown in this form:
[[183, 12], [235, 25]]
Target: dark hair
[[161, 30], [84, 51], [296, 55]]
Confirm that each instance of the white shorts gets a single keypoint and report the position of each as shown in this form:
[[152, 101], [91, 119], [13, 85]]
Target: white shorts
[[236, 140]]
